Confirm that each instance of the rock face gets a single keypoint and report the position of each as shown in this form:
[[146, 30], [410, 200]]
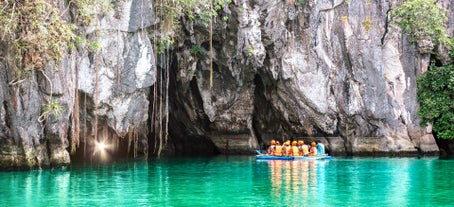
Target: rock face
[[107, 88], [324, 70], [327, 70]]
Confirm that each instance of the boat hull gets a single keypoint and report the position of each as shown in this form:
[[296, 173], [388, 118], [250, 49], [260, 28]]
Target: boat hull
[[271, 157], [262, 156], [317, 157]]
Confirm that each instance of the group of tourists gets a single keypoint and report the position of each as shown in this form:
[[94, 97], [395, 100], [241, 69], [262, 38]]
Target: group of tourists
[[297, 148]]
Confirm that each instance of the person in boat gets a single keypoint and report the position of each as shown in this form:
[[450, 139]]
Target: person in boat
[[313, 149], [272, 148], [304, 149], [286, 149], [278, 151], [300, 149], [320, 148], [295, 150]]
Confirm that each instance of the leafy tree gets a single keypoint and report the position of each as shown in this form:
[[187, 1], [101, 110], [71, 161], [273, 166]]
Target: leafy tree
[[422, 19], [436, 97]]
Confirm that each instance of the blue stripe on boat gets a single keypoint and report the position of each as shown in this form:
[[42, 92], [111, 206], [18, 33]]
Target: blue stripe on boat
[[271, 157]]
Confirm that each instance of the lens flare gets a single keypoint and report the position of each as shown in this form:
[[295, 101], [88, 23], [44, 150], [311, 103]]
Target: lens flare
[[101, 151], [101, 146]]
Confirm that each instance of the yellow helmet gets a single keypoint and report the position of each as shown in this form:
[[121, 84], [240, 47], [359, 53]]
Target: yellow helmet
[[273, 142], [287, 142], [300, 142], [313, 144], [294, 143]]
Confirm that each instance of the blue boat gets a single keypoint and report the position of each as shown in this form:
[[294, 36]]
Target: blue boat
[[317, 157], [272, 157], [264, 156]]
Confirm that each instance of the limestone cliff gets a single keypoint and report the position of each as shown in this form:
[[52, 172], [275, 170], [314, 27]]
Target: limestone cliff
[[328, 70], [337, 71]]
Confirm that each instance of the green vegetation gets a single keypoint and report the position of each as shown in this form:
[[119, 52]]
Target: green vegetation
[[422, 19], [250, 51], [367, 24], [241, 8], [426, 20], [36, 31], [52, 108], [195, 50], [163, 43], [436, 97], [94, 46], [299, 1], [170, 12], [86, 9]]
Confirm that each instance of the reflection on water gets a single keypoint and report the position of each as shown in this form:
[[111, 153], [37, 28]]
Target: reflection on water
[[296, 178], [109, 185], [236, 181]]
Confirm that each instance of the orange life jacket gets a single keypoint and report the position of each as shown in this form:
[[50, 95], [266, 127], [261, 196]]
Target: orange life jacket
[[278, 151], [305, 149], [313, 151], [287, 150], [295, 151]]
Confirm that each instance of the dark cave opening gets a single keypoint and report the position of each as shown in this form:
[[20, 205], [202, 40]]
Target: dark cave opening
[[187, 134]]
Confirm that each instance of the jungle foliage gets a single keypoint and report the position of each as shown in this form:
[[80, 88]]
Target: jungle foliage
[[36, 31], [422, 19], [171, 12], [436, 97]]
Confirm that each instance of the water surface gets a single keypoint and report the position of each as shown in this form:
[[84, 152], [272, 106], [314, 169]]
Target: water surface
[[237, 181]]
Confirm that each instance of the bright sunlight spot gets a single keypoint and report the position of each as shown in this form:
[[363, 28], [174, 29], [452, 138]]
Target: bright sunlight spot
[[101, 151], [101, 146]]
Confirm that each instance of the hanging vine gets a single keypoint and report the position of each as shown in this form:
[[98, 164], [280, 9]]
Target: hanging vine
[[211, 47], [169, 14], [75, 138], [84, 13]]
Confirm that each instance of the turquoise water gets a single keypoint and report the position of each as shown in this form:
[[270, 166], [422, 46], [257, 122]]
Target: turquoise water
[[237, 181]]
